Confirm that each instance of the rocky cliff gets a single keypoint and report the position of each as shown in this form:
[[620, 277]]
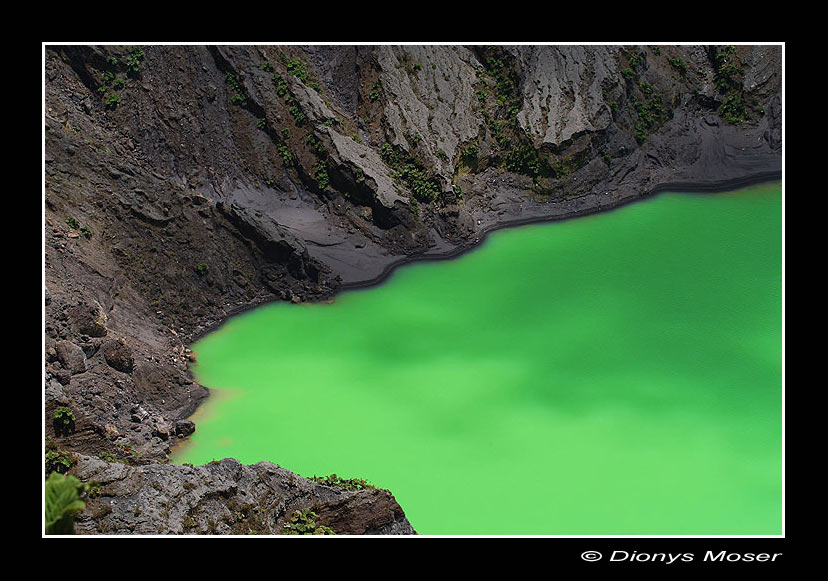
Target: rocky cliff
[[186, 183]]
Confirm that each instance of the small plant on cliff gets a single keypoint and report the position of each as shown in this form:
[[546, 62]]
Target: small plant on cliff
[[321, 174], [63, 419], [86, 231], [303, 522], [287, 156], [112, 101], [350, 484], [297, 69], [62, 503], [133, 61], [58, 461], [202, 268], [376, 91], [72, 222]]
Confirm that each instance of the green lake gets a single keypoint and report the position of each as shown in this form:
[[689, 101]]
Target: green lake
[[616, 374]]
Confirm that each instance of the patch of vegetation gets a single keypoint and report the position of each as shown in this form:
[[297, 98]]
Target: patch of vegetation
[[57, 460], [376, 91], [316, 145], [287, 156], [320, 172], [499, 81], [267, 67], [727, 70], [727, 80], [108, 456], [650, 113], [72, 222], [63, 502], [350, 484], [202, 268], [628, 74], [133, 61], [679, 65], [303, 522], [468, 155], [86, 231], [296, 68], [285, 133], [411, 172], [636, 59], [261, 124], [732, 110], [298, 115], [63, 419], [281, 84], [93, 489], [112, 101], [440, 154], [238, 95]]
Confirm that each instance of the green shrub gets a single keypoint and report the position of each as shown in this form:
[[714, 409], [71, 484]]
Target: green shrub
[[202, 268], [63, 419], [303, 522], [133, 62], [321, 174], [281, 84], [86, 231], [57, 460], [350, 484], [112, 101], [62, 503], [72, 222], [732, 109], [298, 116], [287, 157], [297, 69], [679, 65], [376, 91]]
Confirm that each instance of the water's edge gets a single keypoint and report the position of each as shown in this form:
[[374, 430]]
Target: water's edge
[[711, 187]]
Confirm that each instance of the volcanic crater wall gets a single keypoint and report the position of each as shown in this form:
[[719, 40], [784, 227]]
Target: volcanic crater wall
[[186, 183]]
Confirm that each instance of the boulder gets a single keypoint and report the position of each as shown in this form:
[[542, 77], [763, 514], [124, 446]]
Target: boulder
[[118, 355], [71, 356]]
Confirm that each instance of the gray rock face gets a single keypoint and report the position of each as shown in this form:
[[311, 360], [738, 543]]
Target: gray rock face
[[563, 90], [430, 97], [224, 498]]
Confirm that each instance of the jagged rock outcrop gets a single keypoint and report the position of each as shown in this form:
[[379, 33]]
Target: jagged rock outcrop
[[224, 497]]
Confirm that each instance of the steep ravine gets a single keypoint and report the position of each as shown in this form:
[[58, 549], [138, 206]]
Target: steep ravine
[[183, 184]]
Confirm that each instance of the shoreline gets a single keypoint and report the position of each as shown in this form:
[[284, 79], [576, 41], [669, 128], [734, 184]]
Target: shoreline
[[720, 186], [711, 187]]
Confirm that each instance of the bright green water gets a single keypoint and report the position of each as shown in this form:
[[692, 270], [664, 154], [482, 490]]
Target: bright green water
[[613, 374]]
